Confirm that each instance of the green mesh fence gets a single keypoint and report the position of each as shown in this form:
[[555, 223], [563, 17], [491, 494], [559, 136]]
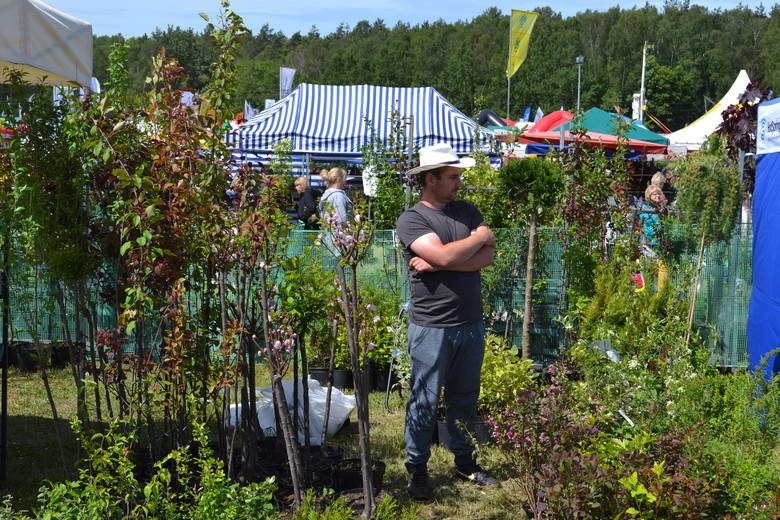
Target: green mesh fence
[[721, 307], [723, 296]]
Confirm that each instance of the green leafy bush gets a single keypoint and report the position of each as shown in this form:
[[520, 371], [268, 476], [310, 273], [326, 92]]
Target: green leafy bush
[[504, 374], [188, 483], [739, 415]]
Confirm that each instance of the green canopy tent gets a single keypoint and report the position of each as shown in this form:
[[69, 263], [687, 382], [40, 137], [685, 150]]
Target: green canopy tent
[[603, 122]]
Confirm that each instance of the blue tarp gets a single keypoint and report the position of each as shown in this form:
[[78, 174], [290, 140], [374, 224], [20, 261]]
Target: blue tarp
[[763, 330]]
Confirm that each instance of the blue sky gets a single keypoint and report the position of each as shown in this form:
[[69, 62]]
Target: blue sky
[[138, 17]]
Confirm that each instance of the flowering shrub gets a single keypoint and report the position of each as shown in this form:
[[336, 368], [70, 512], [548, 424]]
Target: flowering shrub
[[576, 460], [279, 348], [379, 322], [350, 242]]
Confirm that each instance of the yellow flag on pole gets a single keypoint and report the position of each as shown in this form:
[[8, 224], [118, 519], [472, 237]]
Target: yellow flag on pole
[[521, 23]]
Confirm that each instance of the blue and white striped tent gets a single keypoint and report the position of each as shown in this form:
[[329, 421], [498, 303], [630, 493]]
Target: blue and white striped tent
[[337, 121]]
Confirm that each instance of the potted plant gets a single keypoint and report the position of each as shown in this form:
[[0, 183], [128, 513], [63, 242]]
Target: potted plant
[[374, 313], [307, 295], [342, 367], [381, 309], [533, 187], [319, 343]]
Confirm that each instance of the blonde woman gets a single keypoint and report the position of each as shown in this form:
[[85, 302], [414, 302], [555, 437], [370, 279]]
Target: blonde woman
[[335, 203], [305, 206]]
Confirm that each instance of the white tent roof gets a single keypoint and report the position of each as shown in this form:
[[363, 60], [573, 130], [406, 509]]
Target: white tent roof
[[691, 137], [49, 46]]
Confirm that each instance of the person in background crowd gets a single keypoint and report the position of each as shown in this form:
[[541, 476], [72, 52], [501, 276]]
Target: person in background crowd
[[445, 242], [650, 219], [649, 216], [305, 205], [334, 200]]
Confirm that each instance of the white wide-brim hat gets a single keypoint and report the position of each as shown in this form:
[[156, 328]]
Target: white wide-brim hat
[[438, 156]]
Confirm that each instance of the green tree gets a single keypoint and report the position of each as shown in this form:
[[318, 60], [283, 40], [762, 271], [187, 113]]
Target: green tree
[[256, 81], [709, 197], [466, 60], [533, 187], [669, 90]]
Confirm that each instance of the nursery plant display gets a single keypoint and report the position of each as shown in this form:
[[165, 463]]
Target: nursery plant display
[[169, 275]]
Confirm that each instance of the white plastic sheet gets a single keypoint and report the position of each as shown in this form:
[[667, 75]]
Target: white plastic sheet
[[341, 406]]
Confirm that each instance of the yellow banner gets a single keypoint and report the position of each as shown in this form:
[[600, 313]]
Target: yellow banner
[[521, 23]]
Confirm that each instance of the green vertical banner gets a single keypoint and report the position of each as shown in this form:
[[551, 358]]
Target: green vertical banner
[[521, 23]]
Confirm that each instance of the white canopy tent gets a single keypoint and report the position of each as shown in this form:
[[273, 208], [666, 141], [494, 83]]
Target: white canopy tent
[[691, 137], [47, 45]]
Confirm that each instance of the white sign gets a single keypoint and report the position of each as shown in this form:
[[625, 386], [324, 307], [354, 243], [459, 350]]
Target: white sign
[[768, 128], [370, 181]]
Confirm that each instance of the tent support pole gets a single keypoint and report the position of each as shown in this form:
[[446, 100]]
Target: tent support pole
[[410, 154]]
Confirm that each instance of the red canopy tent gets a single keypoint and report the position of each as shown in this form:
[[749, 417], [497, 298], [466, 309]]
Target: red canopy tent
[[552, 120]]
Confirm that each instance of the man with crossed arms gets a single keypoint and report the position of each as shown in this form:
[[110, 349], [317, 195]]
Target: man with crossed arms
[[445, 243]]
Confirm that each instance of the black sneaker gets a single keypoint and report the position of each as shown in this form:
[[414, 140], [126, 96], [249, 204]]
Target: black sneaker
[[476, 474], [419, 487]]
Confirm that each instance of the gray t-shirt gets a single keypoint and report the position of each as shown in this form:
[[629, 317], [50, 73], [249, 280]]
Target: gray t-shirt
[[441, 298]]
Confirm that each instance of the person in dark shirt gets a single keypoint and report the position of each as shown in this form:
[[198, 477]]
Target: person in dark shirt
[[305, 205], [445, 242]]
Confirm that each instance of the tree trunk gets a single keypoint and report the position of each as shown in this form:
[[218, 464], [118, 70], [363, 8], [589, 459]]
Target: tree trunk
[[284, 422], [305, 397], [329, 390], [351, 305], [529, 284], [54, 415], [290, 437]]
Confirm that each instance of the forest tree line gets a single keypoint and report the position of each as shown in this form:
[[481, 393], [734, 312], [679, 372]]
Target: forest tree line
[[695, 53]]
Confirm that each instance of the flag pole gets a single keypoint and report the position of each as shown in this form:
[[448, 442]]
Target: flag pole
[[521, 23], [642, 86], [508, 86]]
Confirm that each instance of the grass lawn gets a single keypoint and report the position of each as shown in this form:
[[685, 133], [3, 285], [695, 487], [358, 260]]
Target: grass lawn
[[34, 455]]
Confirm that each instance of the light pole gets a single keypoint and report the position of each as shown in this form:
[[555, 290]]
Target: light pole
[[579, 60], [642, 100]]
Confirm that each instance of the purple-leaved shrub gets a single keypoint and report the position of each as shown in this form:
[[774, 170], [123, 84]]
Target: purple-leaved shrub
[[576, 459]]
